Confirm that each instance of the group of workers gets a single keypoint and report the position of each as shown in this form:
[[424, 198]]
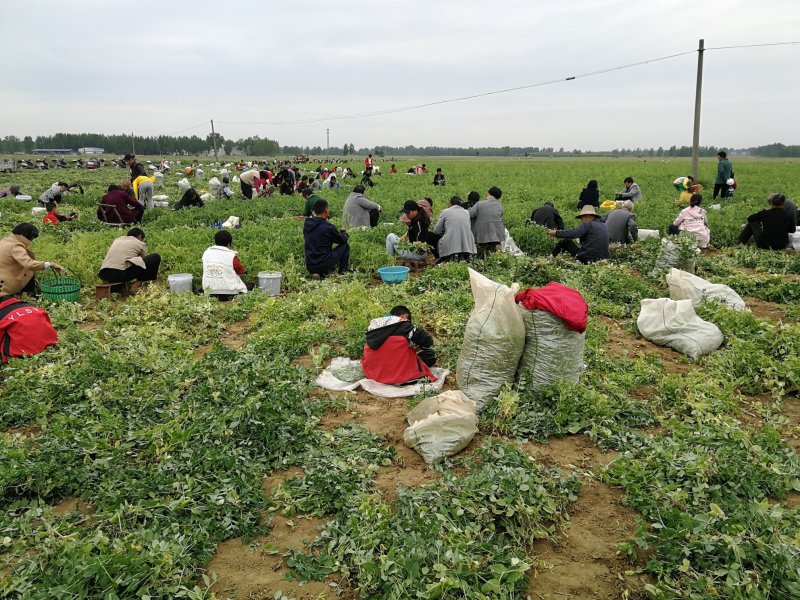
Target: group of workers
[[460, 232]]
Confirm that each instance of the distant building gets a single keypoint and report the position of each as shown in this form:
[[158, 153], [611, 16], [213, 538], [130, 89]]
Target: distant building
[[90, 150], [52, 151]]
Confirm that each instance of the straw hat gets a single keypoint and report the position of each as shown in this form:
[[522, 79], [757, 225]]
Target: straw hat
[[587, 209]]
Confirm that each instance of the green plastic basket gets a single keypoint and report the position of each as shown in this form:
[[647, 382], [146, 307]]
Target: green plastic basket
[[61, 288]]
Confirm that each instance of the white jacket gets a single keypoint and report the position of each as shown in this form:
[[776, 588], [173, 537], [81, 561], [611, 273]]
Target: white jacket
[[218, 274]]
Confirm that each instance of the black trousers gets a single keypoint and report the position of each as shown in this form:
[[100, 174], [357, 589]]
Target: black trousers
[[722, 190], [149, 273], [340, 257], [754, 230], [247, 190], [569, 246], [374, 215]]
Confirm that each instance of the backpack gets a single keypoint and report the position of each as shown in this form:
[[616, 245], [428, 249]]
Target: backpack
[[25, 330]]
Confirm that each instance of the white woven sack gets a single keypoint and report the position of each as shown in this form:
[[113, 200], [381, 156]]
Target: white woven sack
[[441, 426], [685, 286], [493, 341], [674, 323]]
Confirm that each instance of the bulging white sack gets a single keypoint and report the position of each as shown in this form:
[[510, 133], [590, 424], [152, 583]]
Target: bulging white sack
[[493, 341], [674, 323], [441, 426], [685, 286]]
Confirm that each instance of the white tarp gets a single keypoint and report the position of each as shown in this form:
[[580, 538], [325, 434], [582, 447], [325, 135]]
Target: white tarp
[[674, 323], [441, 426], [685, 286], [329, 381]]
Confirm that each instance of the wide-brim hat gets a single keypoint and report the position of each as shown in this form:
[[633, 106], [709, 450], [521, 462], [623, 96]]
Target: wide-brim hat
[[587, 209]]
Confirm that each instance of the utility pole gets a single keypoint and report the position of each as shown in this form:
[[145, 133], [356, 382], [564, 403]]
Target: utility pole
[[133, 145], [214, 139], [327, 142], [697, 96]]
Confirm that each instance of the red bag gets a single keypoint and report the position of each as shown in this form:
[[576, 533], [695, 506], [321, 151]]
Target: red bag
[[564, 302], [25, 330]]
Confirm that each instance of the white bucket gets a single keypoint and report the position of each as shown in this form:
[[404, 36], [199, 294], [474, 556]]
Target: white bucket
[[269, 283], [180, 282]]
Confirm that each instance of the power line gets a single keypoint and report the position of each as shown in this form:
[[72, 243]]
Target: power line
[[411, 107], [461, 98], [188, 128], [753, 45]]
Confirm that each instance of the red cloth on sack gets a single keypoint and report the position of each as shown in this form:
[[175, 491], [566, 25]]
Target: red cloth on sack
[[394, 362], [25, 330], [564, 302]]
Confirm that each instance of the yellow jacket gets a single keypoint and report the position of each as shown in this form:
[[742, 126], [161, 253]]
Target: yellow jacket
[[139, 180]]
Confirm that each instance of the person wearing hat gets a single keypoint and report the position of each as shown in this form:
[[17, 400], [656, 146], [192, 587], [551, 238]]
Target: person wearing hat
[[418, 224], [592, 233]]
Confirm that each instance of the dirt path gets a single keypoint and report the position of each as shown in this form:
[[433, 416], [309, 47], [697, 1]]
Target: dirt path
[[765, 310], [585, 564]]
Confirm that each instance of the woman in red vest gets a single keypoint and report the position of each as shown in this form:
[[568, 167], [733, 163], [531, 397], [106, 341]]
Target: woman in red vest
[[397, 351]]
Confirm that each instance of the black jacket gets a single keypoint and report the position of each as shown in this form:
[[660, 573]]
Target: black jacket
[[137, 170], [589, 196], [776, 226], [548, 216], [406, 329], [418, 227]]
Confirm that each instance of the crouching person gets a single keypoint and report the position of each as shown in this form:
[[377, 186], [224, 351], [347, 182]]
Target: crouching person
[[397, 351], [25, 330], [320, 236], [222, 269], [127, 260]]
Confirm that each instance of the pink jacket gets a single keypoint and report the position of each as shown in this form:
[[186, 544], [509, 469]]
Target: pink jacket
[[692, 219]]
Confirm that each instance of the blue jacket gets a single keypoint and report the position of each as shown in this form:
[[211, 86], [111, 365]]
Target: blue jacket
[[320, 237]]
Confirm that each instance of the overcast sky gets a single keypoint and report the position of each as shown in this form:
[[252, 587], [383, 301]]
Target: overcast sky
[[165, 67]]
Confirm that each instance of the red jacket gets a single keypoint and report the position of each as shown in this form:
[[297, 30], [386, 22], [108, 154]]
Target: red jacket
[[25, 330], [394, 362], [564, 302]]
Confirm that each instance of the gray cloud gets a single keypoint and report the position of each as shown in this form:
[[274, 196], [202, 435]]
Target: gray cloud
[[160, 67]]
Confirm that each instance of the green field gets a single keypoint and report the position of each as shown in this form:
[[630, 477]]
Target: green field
[[173, 446]]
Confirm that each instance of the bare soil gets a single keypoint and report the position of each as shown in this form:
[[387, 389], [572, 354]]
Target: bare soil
[[258, 569], [765, 310], [621, 342], [70, 505], [585, 564]]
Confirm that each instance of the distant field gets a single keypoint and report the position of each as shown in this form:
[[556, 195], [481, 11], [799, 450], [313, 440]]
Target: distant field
[[171, 446]]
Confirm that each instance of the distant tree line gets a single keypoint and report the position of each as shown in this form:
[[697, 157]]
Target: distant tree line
[[257, 146]]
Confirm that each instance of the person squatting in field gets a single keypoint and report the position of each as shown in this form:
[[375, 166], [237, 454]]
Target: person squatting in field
[[487, 222], [694, 220], [396, 351], [222, 269], [456, 241], [127, 260], [593, 235], [770, 228], [418, 221], [18, 262], [320, 237]]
